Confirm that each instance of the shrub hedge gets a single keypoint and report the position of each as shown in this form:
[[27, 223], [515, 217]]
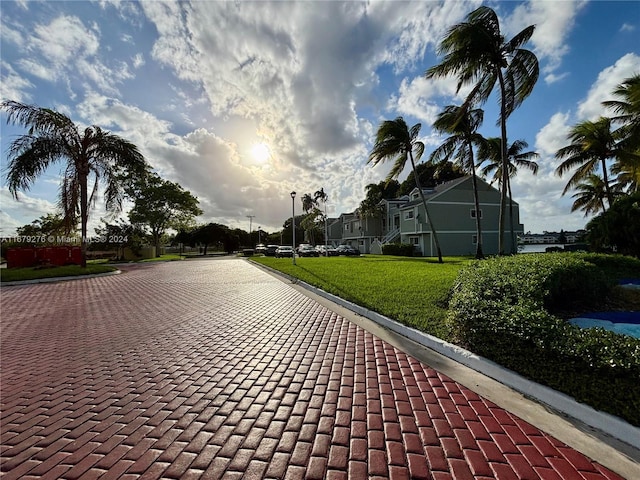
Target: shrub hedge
[[503, 309], [399, 249]]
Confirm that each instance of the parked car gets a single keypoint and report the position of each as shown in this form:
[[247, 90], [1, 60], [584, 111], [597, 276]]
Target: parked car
[[347, 250], [284, 251], [260, 249], [270, 250], [326, 251], [306, 250]]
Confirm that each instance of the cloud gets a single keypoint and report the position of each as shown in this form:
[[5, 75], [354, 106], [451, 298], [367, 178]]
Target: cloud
[[15, 211], [554, 22], [608, 79], [627, 27], [14, 86]]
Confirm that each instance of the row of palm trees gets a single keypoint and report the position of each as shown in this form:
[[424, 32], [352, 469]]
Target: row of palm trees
[[477, 54]]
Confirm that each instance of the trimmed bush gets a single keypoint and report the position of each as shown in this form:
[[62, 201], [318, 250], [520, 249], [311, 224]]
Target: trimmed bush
[[506, 310], [398, 249]]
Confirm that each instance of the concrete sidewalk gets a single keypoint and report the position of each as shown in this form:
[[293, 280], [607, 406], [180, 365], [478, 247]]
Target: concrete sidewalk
[[216, 369]]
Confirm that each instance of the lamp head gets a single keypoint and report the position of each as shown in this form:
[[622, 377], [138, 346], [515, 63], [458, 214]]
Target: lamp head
[[293, 194]]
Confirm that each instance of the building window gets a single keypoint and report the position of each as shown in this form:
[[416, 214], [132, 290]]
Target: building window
[[408, 215], [473, 213], [346, 227], [474, 239], [414, 240]]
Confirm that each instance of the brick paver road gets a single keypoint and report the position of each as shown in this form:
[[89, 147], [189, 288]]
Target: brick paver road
[[215, 369]]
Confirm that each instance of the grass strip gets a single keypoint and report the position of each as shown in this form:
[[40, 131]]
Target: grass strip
[[413, 291], [33, 273]]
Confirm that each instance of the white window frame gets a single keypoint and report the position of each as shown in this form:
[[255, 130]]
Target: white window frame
[[409, 215]]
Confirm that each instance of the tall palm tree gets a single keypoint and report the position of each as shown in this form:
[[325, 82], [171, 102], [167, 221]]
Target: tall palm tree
[[593, 143], [590, 196], [93, 152], [308, 203], [491, 151], [462, 126], [394, 140], [477, 53]]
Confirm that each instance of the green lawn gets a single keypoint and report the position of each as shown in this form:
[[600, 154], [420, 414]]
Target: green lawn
[[413, 291], [32, 273]]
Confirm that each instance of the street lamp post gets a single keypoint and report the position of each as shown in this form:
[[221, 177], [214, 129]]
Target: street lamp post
[[250, 217], [293, 224]]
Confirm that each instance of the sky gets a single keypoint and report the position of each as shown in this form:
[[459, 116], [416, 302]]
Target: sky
[[243, 102]]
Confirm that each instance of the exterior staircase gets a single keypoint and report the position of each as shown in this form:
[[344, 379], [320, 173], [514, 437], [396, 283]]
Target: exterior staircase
[[391, 236]]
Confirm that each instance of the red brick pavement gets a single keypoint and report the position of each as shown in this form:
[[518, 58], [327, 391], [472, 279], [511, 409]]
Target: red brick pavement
[[214, 369]]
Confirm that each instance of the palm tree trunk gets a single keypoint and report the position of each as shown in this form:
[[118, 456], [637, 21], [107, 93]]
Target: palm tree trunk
[[476, 200], [606, 182], [84, 217], [426, 209], [513, 236], [504, 162]]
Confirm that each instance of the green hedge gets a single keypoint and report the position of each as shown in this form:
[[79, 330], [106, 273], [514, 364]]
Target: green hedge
[[398, 249], [502, 308]]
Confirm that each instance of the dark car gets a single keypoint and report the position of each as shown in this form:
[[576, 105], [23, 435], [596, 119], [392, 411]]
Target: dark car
[[270, 250], [347, 250]]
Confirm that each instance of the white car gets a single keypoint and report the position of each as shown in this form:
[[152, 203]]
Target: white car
[[284, 251]]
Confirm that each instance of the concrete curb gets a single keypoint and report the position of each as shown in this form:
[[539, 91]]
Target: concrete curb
[[606, 423], [57, 279]]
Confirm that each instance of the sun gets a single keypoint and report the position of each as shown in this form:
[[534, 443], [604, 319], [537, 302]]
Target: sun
[[260, 152]]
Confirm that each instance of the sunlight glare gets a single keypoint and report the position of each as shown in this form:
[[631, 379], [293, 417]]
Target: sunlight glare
[[260, 152]]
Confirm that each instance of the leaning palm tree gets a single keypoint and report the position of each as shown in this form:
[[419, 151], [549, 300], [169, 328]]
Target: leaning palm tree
[[491, 151], [590, 196], [477, 53], [462, 128], [394, 140], [592, 145], [91, 153], [627, 172]]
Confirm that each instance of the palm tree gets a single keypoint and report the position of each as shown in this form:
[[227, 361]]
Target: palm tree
[[308, 203], [394, 140], [627, 108], [478, 54], [592, 144], [491, 151], [96, 153], [321, 196], [462, 125], [590, 196]]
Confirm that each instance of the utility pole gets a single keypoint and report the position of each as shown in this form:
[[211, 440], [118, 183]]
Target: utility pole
[[250, 217]]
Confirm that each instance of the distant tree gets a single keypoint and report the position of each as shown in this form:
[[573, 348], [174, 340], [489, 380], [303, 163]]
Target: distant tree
[[49, 224], [118, 235], [211, 234], [321, 196], [394, 140], [490, 154], [91, 153], [562, 237], [618, 228], [160, 205]]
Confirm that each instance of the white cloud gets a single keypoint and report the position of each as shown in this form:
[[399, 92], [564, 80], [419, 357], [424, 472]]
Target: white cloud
[[18, 212], [627, 27], [14, 86], [554, 21], [608, 79]]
